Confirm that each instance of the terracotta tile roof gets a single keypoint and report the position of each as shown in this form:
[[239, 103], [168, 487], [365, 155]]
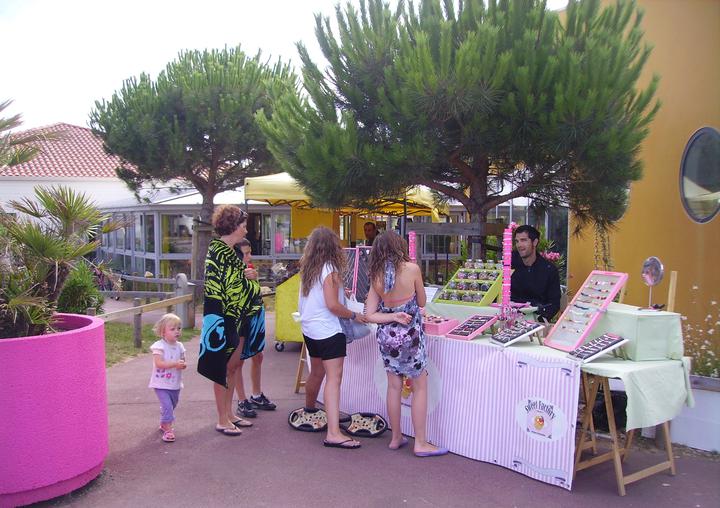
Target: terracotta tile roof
[[77, 153]]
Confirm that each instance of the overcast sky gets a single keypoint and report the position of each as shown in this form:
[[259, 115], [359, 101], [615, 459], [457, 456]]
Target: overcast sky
[[60, 56]]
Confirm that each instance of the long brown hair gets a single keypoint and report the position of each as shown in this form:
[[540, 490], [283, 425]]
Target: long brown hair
[[388, 246], [323, 247]]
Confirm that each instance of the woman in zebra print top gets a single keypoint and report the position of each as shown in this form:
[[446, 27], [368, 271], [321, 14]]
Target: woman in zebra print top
[[229, 294]]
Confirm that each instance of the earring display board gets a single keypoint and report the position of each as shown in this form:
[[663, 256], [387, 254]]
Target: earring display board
[[477, 284], [597, 347], [472, 327], [516, 332], [588, 305]]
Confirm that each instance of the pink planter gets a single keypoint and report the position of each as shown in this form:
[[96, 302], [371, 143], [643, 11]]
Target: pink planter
[[53, 411]]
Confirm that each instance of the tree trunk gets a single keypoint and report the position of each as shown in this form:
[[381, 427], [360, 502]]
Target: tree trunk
[[204, 232]]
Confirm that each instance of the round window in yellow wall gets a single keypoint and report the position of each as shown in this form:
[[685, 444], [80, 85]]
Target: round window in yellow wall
[[700, 175]]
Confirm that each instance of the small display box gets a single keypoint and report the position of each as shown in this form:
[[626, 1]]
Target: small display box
[[477, 283], [438, 325], [472, 327]]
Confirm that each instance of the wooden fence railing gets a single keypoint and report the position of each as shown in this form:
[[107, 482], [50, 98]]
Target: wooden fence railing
[[183, 302]]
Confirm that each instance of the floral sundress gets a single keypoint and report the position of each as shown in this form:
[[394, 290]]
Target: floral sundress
[[402, 347]]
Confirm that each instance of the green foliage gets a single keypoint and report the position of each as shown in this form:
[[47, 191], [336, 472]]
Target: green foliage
[[193, 126], [38, 249], [80, 292], [16, 148], [480, 103]]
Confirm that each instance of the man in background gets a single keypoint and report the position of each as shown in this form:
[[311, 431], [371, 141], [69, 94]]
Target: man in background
[[371, 232]]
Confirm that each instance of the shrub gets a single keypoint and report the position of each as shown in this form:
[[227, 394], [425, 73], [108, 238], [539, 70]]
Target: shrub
[[80, 292]]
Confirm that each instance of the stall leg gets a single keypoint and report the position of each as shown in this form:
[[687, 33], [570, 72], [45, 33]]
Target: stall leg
[[299, 383]]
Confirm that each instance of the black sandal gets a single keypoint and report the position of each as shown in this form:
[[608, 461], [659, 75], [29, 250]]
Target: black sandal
[[308, 420], [365, 425]]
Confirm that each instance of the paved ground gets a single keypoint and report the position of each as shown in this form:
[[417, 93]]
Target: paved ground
[[273, 465]]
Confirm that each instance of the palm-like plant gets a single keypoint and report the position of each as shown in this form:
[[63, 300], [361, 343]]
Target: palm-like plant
[[40, 246], [17, 148]]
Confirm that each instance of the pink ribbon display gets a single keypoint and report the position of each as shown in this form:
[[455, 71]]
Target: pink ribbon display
[[506, 309]]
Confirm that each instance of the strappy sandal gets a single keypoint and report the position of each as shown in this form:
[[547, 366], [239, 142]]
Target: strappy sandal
[[308, 420], [168, 436], [365, 425]]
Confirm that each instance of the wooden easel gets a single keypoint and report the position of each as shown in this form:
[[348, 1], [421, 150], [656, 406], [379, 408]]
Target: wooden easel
[[299, 383], [587, 439]]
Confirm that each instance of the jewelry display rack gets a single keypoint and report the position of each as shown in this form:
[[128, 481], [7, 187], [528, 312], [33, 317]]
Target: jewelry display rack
[[518, 331], [606, 343], [586, 307]]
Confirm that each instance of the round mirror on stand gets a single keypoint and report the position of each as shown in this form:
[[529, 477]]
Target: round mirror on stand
[[652, 273]]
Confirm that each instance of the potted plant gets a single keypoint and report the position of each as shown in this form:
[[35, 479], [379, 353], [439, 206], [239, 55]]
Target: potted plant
[[53, 375]]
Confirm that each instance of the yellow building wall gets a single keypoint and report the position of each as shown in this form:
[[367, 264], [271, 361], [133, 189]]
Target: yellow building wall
[[686, 40]]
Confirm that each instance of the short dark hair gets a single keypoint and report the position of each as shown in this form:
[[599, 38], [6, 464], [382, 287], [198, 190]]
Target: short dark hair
[[532, 233], [371, 224], [227, 218]]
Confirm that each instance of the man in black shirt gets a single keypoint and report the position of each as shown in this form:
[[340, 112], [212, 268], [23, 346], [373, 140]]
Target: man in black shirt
[[535, 279]]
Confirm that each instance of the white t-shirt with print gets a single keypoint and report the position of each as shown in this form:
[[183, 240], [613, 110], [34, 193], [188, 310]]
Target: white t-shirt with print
[[169, 379], [316, 320]]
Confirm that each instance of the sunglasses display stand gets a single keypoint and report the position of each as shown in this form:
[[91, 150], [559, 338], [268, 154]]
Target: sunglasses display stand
[[586, 307]]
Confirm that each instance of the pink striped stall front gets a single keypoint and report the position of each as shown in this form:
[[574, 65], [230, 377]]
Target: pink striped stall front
[[500, 405]]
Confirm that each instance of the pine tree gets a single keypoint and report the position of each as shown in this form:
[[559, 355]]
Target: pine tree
[[193, 126], [480, 103]]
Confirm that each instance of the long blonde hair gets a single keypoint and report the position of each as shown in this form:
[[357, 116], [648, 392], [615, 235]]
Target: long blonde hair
[[388, 246], [323, 247]]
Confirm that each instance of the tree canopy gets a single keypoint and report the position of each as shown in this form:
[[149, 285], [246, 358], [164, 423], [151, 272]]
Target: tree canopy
[[194, 125], [480, 103]]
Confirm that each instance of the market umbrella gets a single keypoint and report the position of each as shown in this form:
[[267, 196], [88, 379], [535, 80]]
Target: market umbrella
[[283, 189]]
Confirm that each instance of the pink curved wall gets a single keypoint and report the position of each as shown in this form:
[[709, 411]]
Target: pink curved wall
[[53, 411]]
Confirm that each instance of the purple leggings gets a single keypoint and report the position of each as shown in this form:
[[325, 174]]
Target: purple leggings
[[168, 401]]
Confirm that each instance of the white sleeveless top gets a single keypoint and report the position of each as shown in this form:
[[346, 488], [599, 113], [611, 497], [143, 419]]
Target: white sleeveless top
[[316, 320]]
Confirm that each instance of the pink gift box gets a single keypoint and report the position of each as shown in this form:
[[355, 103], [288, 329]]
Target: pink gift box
[[432, 328]]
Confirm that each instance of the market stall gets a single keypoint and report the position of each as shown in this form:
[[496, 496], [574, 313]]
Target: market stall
[[496, 393]]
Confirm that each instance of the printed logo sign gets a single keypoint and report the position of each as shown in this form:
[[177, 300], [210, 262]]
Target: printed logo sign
[[541, 420]]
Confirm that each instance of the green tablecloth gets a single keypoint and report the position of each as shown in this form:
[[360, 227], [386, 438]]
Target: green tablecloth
[[653, 335], [656, 390]]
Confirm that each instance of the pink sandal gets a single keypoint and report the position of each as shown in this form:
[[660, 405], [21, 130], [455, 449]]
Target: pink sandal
[[168, 436]]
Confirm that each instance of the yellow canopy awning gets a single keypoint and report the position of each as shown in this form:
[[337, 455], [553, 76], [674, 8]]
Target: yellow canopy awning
[[283, 189]]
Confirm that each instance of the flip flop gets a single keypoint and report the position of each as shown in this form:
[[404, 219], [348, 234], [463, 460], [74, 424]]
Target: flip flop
[[434, 453], [168, 436], [365, 425], [227, 431], [242, 423], [307, 419], [403, 442], [342, 445]]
